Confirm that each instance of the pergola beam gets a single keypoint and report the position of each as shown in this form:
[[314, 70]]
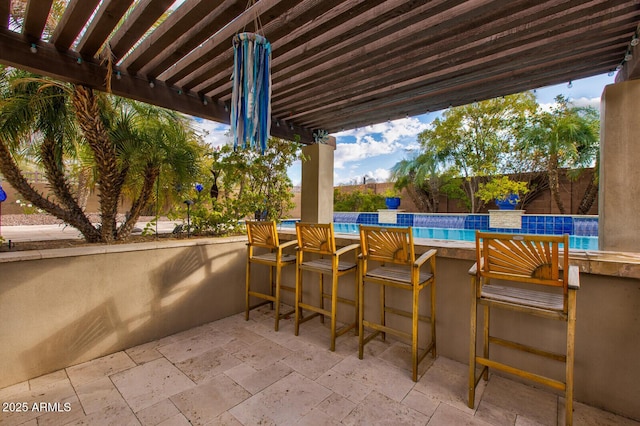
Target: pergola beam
[[143, 17], [102, 25], [72, 22], [4, 13], [36, 18], [72, 69], [335, 63]]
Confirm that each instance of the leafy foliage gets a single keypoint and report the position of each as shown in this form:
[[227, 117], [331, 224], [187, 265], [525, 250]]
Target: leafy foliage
[[357, 201], [500, 188], [511, 136], [472, 140], [242, 184], [565, 137]]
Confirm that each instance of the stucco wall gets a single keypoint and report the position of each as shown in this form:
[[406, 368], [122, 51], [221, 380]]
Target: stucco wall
[[619, 172], [59, 311]]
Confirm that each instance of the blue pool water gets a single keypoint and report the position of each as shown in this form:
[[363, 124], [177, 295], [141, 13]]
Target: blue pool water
[[582, 230]]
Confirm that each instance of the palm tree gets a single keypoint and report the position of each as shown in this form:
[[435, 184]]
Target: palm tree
[[564, 136], [36, 112], [420, 176], [129, 145], [152, 142]]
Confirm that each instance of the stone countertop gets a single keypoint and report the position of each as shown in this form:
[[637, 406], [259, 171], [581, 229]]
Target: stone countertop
[[15, 256], [616, 264]]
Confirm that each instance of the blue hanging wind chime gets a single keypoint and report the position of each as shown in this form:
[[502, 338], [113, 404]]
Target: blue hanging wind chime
[[251, 93]]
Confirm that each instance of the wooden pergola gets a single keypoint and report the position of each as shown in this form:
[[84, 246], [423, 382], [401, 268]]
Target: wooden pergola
[[337, 64]]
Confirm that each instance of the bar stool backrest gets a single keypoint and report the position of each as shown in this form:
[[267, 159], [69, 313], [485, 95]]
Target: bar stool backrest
[[387, 244], [531, 259], [262, 234], [316, 238]]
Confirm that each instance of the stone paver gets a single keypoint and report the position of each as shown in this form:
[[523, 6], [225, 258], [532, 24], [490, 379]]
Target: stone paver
[[236, 372]]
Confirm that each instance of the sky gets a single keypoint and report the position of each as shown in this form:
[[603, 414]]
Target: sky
[[371, 151]]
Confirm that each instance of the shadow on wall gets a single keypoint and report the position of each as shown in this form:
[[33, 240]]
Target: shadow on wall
[[187, 289]]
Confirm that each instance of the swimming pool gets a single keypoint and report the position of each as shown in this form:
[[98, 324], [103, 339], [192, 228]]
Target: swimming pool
[[582, 230]]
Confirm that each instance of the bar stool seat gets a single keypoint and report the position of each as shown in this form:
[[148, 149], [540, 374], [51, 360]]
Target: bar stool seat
[[534, 278], [393, 249], [264, 236], [317, 253]]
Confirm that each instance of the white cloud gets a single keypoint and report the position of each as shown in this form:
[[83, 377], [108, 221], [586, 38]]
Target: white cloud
[[378, 139], [577, 102], [587, 102], [215, 134], [365, 148], [380, 174]]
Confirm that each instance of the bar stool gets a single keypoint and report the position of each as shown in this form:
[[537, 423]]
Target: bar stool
[[533, 280], [264, 235], [317, 253], [393, 248]]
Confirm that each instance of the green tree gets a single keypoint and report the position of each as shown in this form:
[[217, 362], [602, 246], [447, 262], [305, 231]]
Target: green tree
[[128, 145], [243, 184], [472, 139], [565, 137], [591, 151]]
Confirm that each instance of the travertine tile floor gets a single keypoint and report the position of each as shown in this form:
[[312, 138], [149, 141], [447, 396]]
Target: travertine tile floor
[[234, 372]]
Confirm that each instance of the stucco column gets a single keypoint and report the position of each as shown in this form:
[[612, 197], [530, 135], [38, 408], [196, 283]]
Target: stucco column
[[317, 183], [619, 192]]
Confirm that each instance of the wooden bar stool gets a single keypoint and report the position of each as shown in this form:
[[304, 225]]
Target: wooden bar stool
[[534, 279], [393, 248], [317, 253], [264, 235]]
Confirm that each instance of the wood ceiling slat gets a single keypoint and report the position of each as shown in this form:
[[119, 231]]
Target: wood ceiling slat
[[336, 63], [335, 84], [215, 84], [336, 21], [361, 38], [199, 33], [102, 25], [218, 45], [439, 76], [401, 41], [419, 48], [478, 90], [290, 31], [330, 107], [35, 19], [62, 66], [73, 21], [493, 74], [4, 13], [459, 95], [192, 13], [351, 81], [219, 56], [143, 17], [440, 84]]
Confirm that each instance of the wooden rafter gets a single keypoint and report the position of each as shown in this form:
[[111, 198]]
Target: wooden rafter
[[4, 13], [72, 22], [35, 18], [336, 64], [103, 23]]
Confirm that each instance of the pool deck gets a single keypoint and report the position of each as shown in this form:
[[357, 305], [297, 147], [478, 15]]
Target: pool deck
[[237, 372]]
